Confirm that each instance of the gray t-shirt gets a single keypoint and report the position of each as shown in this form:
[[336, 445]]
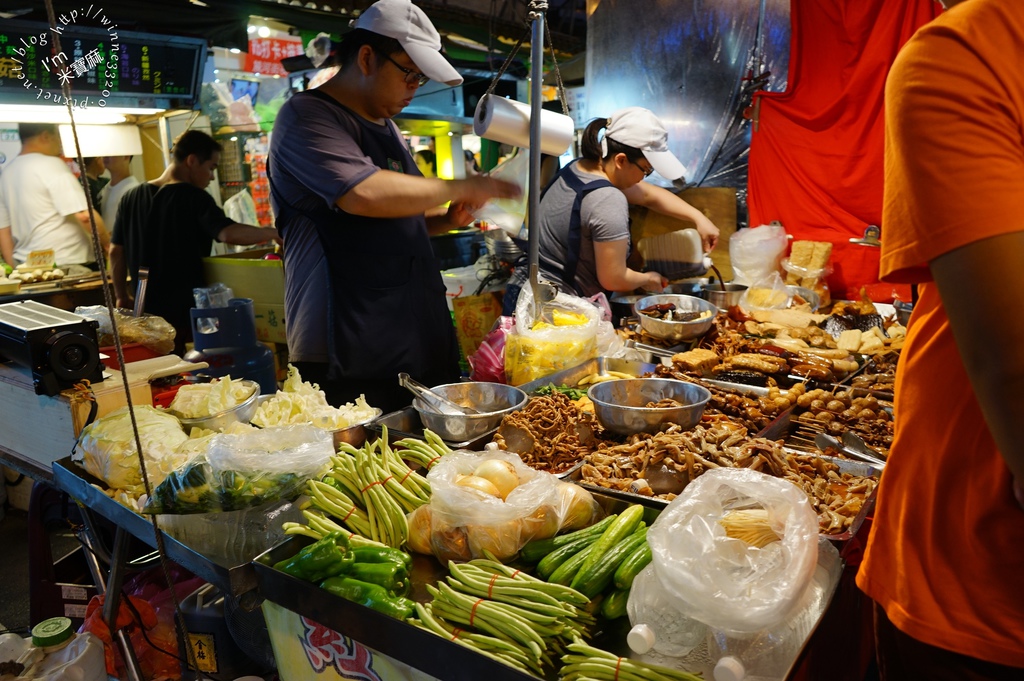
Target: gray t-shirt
[[315, 159], [604, 216]]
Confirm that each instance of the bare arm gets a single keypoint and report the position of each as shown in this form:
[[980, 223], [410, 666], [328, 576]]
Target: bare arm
[[387, 194], [101, 229], [612, 273], [246, 235], [665, 202], [119, 276], [989, 271], [7, 245]]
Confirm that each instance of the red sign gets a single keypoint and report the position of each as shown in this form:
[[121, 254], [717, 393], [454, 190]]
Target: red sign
[[265, 54]]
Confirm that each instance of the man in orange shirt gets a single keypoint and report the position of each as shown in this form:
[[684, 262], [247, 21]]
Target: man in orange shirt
[[946, 553]]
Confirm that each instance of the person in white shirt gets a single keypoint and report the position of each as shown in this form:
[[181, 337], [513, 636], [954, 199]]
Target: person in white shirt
[[121, 180], [42, 205]]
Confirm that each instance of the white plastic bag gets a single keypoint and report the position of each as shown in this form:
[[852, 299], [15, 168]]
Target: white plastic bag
[[465, 522], [756, 253], [726, 583], [539, 347], [509, 214]]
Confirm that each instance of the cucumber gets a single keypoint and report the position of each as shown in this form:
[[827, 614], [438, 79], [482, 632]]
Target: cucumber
[[600, 575], [554, 560], [614, 604], [567, 570], [631, 567], [623, 526], [535, 550]]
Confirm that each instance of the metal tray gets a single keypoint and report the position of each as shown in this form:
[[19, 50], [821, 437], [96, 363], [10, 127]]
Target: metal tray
[[71, 478], [407, 423], [572, 376], [423, 650], [845, 466]]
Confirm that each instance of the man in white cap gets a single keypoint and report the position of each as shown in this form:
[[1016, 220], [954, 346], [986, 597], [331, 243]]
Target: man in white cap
[[584, 212], [364, 299]]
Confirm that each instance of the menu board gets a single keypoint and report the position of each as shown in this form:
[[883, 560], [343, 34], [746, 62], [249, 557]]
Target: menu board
[[100, 63]]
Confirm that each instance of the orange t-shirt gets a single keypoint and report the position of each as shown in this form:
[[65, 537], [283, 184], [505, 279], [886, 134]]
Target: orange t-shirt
[[946, 555]]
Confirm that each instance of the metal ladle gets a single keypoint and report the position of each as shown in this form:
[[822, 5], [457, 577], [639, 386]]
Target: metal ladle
[[438, 403]]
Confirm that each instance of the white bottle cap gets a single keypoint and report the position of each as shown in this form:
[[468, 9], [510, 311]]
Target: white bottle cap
[[707, 263], [730, 669], [640, 639]]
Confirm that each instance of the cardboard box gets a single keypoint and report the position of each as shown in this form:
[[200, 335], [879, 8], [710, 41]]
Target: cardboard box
[[269, 323], [249, 276]]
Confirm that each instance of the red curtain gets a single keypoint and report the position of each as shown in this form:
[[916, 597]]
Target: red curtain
[[816, 149]]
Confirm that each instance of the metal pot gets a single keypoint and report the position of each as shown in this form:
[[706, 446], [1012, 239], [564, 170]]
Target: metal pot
[[714, 294]]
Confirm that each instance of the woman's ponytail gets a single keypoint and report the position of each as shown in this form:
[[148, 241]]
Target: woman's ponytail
[[590, 146]]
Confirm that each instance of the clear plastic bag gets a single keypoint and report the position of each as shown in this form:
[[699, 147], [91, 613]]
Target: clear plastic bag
[[564, 336], [509, 214], [728, 584], [241, 470], [148, 330], [464, 522], [755, 253], [768, 293]]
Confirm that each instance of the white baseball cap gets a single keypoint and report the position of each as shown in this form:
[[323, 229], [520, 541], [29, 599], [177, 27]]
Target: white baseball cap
[[406, 23], [639, 128]]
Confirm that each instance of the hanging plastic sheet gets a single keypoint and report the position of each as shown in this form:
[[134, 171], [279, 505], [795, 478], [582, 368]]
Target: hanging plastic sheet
[[695, 67]]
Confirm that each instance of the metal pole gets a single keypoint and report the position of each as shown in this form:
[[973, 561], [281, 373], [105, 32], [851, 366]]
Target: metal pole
[[536, 77]]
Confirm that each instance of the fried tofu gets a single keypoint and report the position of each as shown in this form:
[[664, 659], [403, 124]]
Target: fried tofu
[[698, 360]]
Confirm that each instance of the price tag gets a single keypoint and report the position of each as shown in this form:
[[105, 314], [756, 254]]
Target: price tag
[[38, 260]]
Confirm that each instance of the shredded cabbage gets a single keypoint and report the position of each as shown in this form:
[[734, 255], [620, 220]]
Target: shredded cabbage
[[197, 400], [299, 402]]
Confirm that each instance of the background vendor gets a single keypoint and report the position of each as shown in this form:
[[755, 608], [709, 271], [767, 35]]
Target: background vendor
[[584, 212], [42, 205]]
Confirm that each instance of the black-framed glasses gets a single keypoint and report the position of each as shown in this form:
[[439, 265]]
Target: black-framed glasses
[[646, 171], [411, 76]]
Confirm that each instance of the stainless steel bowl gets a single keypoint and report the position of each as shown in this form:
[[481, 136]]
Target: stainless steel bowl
[[676, 331], [812, 298], [240, 413], [903, 311], [621, 406], [355, 434], [714, 294], [492, 400]]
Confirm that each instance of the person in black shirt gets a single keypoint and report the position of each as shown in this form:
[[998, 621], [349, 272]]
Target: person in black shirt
[[183, 222], [126, 239]]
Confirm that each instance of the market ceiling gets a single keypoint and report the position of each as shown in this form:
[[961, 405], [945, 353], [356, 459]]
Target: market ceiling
[[494, 23]]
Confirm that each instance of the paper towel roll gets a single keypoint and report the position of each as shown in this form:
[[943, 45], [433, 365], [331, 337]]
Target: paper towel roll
[[508, 121]]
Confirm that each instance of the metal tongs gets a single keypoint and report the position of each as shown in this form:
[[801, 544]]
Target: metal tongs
[[852, 446], [438, 403]]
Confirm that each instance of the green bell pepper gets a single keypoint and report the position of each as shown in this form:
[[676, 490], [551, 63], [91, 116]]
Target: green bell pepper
[[373, 596], [381, 554], [328, 557], [391, 576]]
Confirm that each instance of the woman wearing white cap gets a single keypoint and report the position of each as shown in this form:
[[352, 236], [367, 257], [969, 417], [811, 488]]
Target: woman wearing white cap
[[584, 212]]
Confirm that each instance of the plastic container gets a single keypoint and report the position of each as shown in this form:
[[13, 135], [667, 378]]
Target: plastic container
[[229, 344], [66, 655], [656, 624], [768, 654], [675, 255]]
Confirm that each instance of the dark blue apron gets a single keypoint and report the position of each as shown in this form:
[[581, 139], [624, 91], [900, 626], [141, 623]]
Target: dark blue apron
[[575, 236], [386, 302]]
